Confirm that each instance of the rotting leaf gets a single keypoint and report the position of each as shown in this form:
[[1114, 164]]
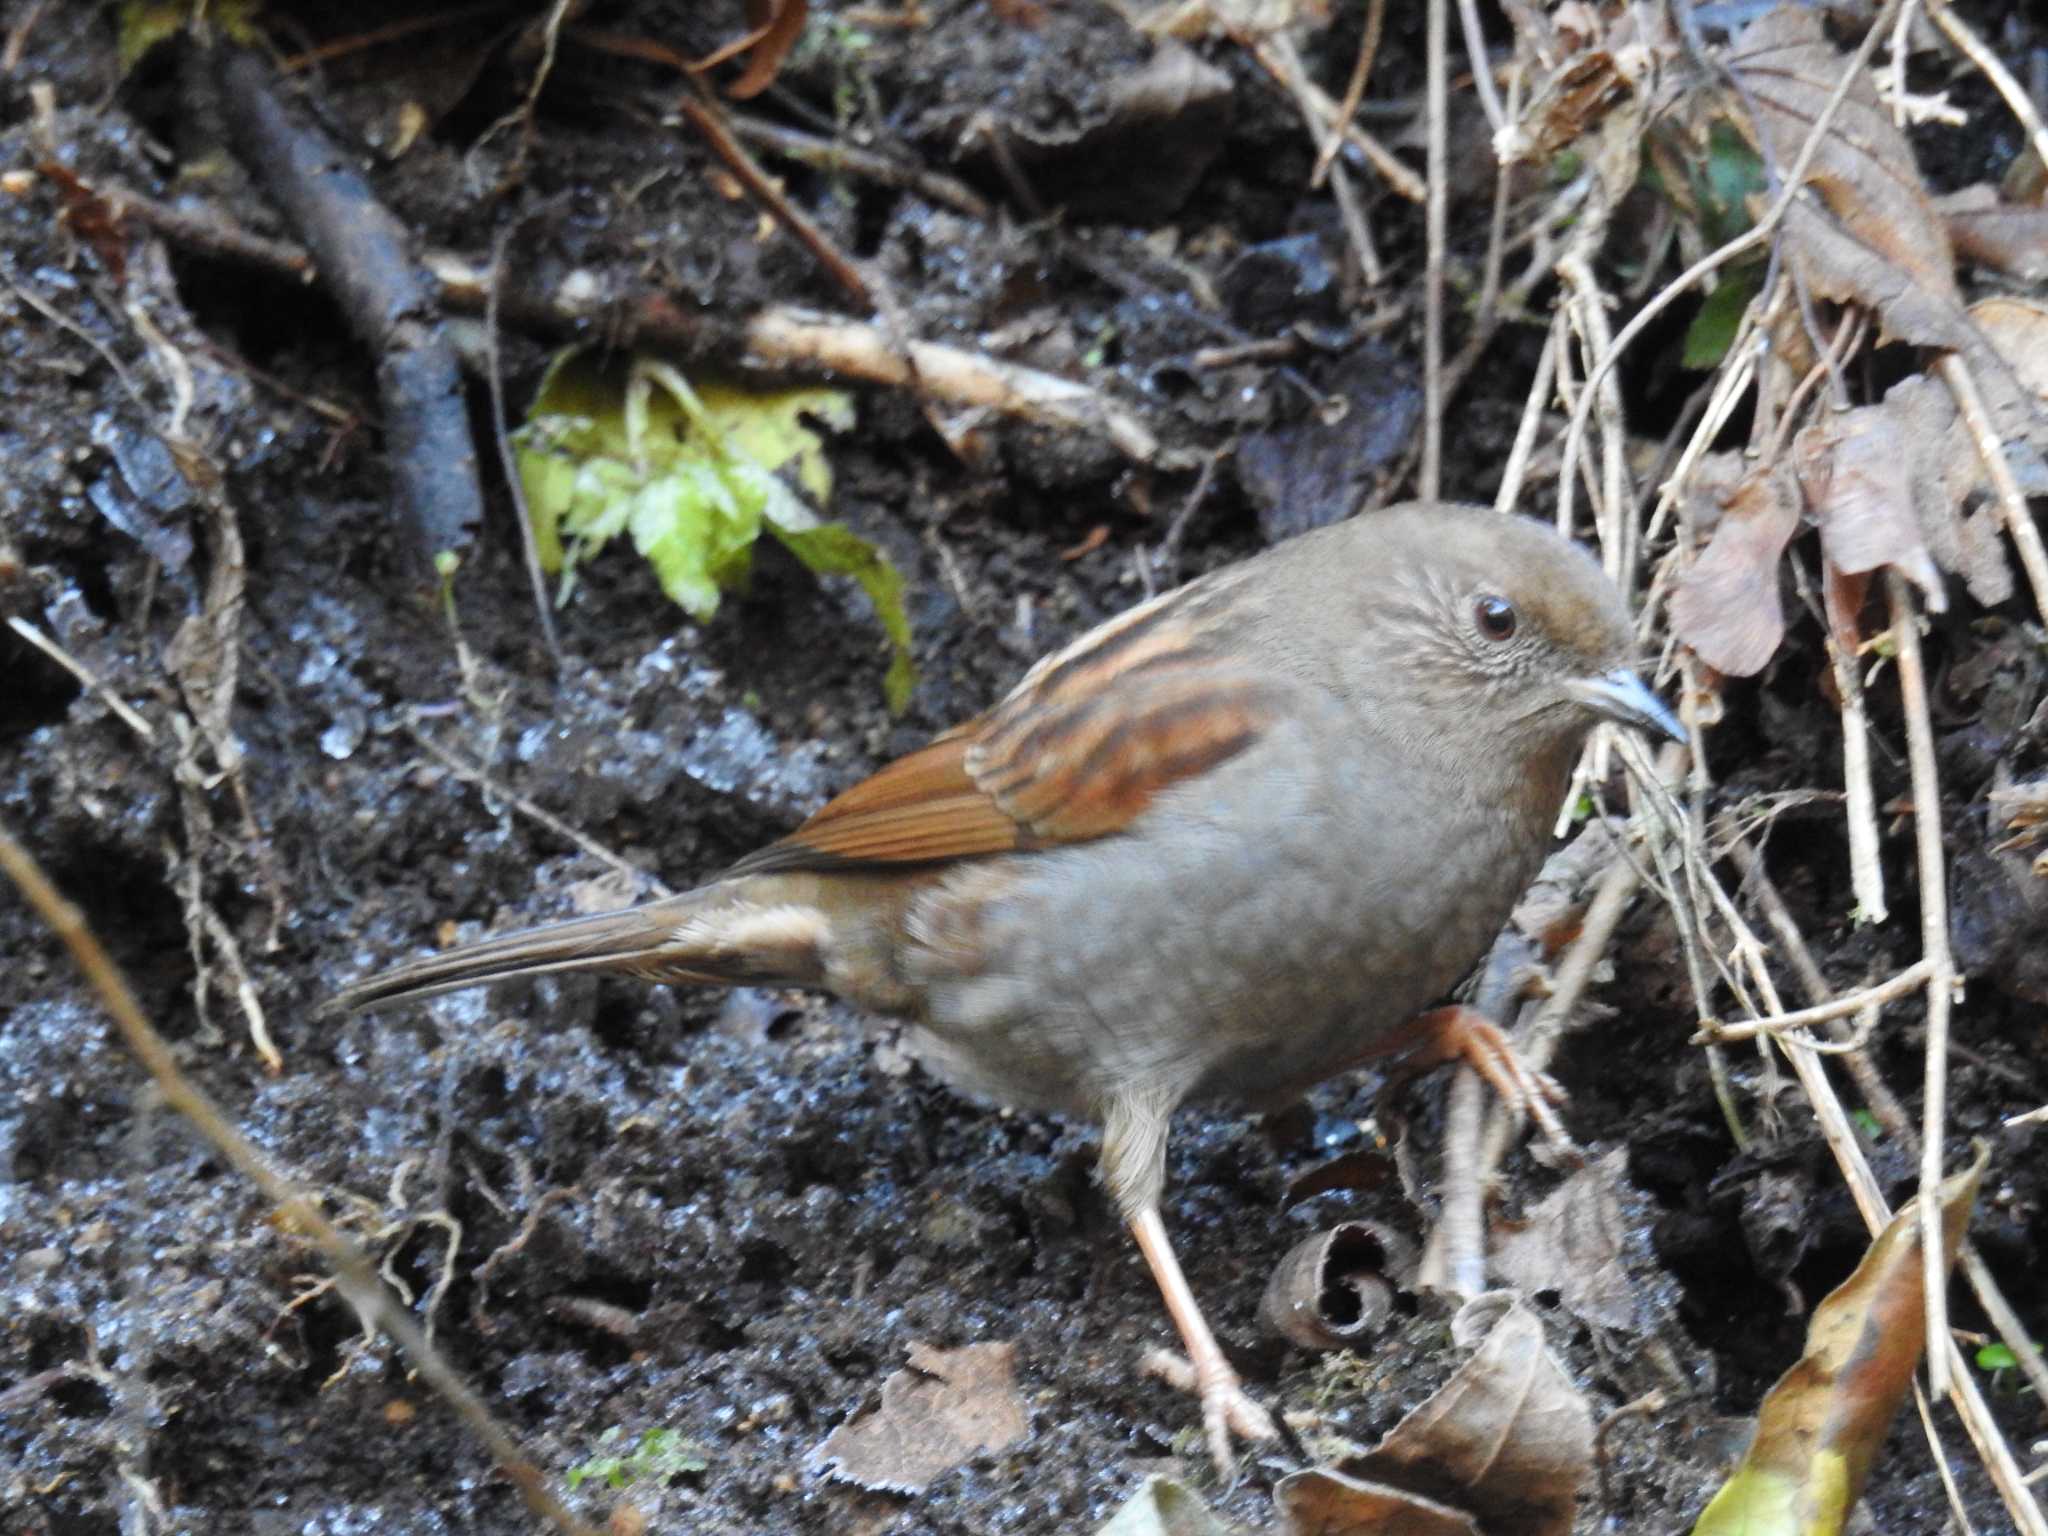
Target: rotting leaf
[[695, 471], [1163, 1507], [1821, 1426], [950, 1405], [1571, 1243], [1503, 1448], [1726, 605]]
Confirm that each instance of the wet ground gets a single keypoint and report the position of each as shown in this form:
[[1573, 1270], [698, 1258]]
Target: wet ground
[[728, 1217]]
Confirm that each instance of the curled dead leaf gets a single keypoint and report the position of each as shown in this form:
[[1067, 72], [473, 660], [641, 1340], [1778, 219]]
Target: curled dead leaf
[[1503, 1447], [1337, 1288]]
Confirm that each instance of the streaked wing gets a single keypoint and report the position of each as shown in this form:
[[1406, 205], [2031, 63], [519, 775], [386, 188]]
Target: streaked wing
[[1076, 751]]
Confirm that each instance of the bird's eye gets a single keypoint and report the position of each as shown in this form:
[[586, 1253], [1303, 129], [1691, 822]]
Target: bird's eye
[[1495, 617]]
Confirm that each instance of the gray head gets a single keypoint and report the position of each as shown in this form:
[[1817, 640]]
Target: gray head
[[1467, 625]]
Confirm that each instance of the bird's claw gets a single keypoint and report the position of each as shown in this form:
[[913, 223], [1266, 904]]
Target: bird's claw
[[1227, 1409]]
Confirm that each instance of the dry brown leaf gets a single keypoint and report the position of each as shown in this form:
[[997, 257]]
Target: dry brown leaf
[[1726, 605], [1502, 1447], [1571, 1243], [950, 1405], [1864, 170], [1858, 475], [1821, 1426], [2006, 237], [1323, 1502], [1874, 237]]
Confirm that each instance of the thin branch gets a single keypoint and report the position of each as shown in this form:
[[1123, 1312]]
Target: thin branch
[[515, 487], [355, 1275], [1941, 979], [84, 674], [1354, 90], [1911, 979], [841, 268], [1429, 480]]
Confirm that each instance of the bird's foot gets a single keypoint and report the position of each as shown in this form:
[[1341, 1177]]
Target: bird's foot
[[1227, 1409], [1465, 1034]]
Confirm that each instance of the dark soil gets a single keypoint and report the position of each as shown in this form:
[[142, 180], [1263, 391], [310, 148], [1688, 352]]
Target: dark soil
[[733, 1216]]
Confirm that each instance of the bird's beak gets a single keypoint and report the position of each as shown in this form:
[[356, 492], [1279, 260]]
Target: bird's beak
[[1626, 699]]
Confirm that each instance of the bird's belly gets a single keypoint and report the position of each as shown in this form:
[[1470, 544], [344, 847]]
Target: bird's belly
[[1210, 968]]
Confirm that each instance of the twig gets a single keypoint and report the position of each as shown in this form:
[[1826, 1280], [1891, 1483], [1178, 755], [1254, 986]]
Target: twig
[[469, 773], [833, 157], [1877, 1094], [364, 257], [355, 1274], [1397, 176], [1911, 979], [84, 674], [1866, 868], [1436, 215], [1354, 89], [1974, 48], [1482, 65], [1948, 1478], [1350, 212], [1541, 388], [515, 487], [783, 336], [580, 303], [841, 268], [1934, 947]]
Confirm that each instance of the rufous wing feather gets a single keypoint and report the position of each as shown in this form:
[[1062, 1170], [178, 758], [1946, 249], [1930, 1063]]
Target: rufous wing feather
[[1076, 751]]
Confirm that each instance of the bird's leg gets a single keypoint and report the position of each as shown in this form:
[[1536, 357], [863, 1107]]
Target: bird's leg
[[1134, 1127], [1227, 1409], [1458, 1033]]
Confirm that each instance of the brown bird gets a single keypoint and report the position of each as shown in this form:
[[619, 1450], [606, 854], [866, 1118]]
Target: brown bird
[[1225, 845]]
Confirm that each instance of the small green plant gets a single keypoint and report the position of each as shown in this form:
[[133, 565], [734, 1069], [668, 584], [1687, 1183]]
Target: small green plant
[[1998, 1361], [658, 1453], [1868, 1124], [694, 472]]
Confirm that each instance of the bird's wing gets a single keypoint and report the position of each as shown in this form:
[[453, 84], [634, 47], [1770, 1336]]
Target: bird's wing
[[1080, 747]]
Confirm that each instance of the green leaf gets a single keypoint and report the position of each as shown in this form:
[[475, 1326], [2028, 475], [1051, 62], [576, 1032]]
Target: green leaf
[[1713, 329], [1996, 1357], [832, 551], [658, 1453], [695, 470]]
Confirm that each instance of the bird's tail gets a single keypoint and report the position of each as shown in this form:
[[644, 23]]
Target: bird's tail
[[680, 938]]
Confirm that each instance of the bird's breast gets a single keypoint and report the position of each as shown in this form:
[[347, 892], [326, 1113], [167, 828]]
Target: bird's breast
[[1258, 932]]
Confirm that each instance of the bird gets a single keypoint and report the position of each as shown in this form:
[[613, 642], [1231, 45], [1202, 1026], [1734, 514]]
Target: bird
[[1225, 845]]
